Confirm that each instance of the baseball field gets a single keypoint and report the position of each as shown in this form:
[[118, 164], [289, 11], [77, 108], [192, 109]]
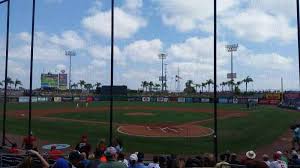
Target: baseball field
[[185, 128]]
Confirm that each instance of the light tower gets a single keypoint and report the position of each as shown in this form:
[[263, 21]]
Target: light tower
[[162, 56], [232, 48], [70, 54]]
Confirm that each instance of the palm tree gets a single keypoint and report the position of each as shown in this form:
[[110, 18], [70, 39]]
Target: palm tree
[[156, 86], [230, 83], [150, 86], [222, 84], [81, 83], [18, 82], [247, 80], [189, 83], [97, 85], [74, 86], [88, 86], [203, 85], [209, 82], [144, 85], [9, 81], [197, 86]]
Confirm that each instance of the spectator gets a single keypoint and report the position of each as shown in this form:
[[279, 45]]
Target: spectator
[[83, 145], [180, 163], [121, 158], [54, 153], [277, 163], [111, 154], [266, 159], [223, 162], [100, 148], [118, 144], [162, 162], [171, 161], [62, 163], [295, 158], [233, 160], [29, 142], [84, 161], [140, 161], [14, 149], [296, 136], [94, 163], [155, 163], [283, 157], [28, 161], [249, 162], [133, 160], [75, 158]]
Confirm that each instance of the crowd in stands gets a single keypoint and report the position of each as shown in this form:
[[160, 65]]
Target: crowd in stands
[[103, 156]]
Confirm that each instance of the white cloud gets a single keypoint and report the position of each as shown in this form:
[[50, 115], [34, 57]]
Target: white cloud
[[190, 16], [133, 4], [258, 26], [70, 39], [46, 47], [126, 25], [143, 51], [103, 53]]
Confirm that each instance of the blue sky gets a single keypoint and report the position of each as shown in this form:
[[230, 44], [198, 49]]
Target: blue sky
[[265, 31]]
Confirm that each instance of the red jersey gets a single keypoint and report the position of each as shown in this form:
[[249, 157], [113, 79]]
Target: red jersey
[[28, 142], [55, 154], [13, 150]]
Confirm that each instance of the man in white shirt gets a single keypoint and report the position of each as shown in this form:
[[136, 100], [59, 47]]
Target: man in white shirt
[[155, 163]]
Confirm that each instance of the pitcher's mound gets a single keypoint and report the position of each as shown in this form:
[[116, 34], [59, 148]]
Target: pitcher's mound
[[165, 130], [139, 114]]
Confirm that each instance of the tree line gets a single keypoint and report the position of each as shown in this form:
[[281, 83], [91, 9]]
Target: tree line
[[10, 82]]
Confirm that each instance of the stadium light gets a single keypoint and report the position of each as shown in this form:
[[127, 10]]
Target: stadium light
[[162, 56], [232, 48], [70, 54], [6, 70]]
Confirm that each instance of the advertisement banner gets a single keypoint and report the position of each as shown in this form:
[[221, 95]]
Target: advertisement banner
[[160, 99], [173, 99], [255, 100], [23, 99], [273, 96], [263, 101], [196, 100], [223, 100], [131, 99], [146, 99], [166, 99], [67, 99], [42, 99], [153, 99], [34, 99], [242, 100], [291, 95], [189, 100], [181, 100], [235, 101], [57, 99], [82, 98], [90, 99], [205, 100], [77, 99]]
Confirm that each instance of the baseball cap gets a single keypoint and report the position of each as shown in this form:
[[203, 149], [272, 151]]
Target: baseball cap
[[276, 156], [250, 155], [133, 157], [110, 151]]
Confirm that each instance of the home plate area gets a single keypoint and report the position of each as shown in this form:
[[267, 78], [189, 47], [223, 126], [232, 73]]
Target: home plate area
[[165, 130]]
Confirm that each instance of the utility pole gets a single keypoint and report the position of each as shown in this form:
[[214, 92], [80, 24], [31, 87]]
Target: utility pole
[[232, 48], [70, 54], [165, 76], [177, 80], [162, 56]]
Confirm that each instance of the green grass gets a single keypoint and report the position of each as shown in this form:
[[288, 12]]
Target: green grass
[[261, 127], [121, 116]]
